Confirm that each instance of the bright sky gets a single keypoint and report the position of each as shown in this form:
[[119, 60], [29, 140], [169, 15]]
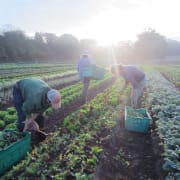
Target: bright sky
[[107, 21]]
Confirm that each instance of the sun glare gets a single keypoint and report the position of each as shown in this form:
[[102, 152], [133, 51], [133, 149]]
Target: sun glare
[[108, 28], [116, 24]]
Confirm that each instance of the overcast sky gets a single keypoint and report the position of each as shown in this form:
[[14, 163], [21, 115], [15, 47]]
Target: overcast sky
[[107, 21]]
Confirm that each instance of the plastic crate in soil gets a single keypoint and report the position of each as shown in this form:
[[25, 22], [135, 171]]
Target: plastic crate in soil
[[137, 120], [14, 152], [93, 72]]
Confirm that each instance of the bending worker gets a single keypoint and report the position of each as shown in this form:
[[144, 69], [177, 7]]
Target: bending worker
[[31, 97], [84, 62], [133, 75]]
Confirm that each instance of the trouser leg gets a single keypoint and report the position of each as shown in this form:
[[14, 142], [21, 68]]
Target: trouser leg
[[141, 87], [37, 137], [18, 102], [134, 98], [86, 83], [137, 93]]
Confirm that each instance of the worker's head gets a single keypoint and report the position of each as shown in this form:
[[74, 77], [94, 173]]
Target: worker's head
[[54, 97], [116, 69]]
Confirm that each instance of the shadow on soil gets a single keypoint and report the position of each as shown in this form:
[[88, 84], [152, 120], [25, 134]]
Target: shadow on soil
[[126, 155], [129, 156]]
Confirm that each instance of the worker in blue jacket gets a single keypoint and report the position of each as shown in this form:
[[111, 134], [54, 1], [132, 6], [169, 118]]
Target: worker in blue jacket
[[133, 75], [84, 61]]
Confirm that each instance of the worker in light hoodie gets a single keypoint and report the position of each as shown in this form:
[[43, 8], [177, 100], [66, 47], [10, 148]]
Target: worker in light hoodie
[[84, 61], [133, 75]]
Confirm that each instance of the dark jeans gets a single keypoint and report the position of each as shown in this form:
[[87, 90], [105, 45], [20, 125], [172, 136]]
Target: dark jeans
[[86, 82], [18, 102]]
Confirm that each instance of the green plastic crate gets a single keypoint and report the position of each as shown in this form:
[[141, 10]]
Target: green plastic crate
[[137, 123], [14, 153], [93, 72]]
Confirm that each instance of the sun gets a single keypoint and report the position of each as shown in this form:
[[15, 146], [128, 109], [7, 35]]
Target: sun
[[109, 27], [104, 27]]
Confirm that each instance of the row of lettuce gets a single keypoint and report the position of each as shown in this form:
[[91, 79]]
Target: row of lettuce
[[164, 99], [8, 117], [61, 78], [53, 74], [72, 151], [15, 70]]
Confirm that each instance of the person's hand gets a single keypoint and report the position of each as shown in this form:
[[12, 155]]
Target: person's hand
[[123, 87], [30, 124], [33, 126]]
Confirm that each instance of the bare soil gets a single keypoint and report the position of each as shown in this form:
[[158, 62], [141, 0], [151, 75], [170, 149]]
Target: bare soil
[[56, 119], [130, 156], [127, 155]]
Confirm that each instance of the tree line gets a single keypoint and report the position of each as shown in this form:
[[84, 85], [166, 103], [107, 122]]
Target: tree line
[[15, 46]]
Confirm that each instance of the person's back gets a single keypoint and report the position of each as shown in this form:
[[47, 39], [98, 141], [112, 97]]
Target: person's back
[[132, 74], [31, 97], [34, 94], [84, 61], [26, 86]]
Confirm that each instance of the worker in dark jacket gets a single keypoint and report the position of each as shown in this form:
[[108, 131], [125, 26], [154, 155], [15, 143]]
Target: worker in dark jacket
[[133, 75], [31, 97], [84, 62]]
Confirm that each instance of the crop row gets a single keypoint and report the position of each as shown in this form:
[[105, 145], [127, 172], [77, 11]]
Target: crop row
[[69, 94], [164, 99], [172, 73], [53, 81], [7, 69], [72, 151], [51, 73]]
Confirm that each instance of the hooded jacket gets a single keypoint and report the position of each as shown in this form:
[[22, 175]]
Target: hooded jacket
[[133, 75], [83, 62], [34, 93]]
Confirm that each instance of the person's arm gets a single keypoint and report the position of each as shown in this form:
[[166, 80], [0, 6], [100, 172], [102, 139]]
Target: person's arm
[[78, 68], [124, 86], [30, 120]]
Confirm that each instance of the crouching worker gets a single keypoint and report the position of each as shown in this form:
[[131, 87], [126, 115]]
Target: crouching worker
[[31, 97], [133, 75]]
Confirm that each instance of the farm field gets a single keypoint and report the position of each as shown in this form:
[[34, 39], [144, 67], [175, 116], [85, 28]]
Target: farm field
[[89, 141]]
